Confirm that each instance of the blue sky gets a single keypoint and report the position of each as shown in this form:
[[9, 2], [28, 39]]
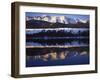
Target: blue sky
[[75, 16]]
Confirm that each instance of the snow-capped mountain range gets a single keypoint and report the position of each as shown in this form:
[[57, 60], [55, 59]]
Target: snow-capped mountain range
[[54, 19]]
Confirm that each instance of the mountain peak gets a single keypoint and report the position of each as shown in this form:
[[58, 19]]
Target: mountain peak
[[56, 19]]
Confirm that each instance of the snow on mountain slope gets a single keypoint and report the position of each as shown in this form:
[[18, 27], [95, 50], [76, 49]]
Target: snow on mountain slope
[[54, 19]]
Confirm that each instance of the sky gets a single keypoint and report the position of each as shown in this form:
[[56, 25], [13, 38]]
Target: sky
[[75, 16]]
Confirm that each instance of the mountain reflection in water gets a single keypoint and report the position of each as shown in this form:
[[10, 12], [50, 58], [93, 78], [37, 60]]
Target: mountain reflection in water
[[57, 56]]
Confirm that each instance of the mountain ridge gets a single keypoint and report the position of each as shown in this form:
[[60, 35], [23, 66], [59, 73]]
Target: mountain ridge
[[45, 24], [55, 19]]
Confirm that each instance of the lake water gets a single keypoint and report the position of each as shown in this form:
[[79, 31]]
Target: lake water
[[76, 52], [73, 58], [69, 41], [57, 56]]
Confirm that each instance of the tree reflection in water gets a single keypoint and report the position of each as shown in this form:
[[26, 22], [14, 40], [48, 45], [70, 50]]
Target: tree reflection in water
[[58, 42]]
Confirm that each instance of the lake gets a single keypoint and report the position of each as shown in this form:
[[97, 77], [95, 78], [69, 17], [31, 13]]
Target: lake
[[58, 41], [57, 56]]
